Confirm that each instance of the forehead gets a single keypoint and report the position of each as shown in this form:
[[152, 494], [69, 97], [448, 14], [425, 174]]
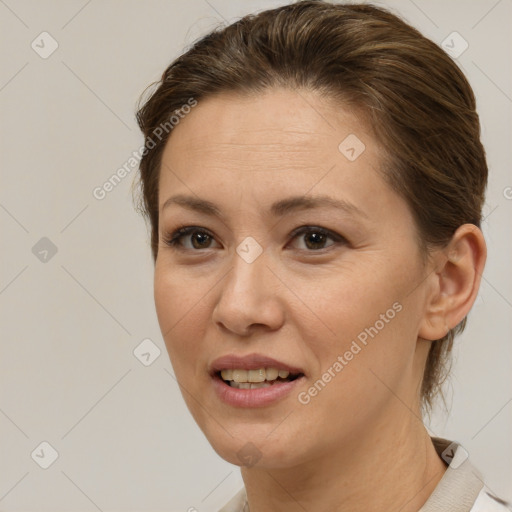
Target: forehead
[[252, 150], [264, 125]]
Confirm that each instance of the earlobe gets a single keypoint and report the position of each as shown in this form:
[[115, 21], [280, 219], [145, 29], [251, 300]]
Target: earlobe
[[455, 282]]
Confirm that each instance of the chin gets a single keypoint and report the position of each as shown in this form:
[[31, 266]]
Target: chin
[[252, 447]]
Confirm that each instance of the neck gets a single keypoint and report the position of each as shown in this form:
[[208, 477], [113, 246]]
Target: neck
[[391, 466]]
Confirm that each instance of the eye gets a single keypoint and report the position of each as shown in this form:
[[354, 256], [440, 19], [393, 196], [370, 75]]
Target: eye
[[191, 238], [310, 238], [314, 238]]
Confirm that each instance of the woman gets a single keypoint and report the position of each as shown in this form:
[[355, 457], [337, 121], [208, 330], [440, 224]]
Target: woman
[[314, 180]]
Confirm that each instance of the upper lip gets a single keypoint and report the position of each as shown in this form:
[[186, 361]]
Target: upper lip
[[250, 362]]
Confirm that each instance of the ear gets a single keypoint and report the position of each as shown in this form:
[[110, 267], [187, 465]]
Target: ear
[[455, 282]]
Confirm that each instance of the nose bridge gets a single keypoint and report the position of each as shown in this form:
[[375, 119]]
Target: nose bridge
[[248, 274], [246, 297]]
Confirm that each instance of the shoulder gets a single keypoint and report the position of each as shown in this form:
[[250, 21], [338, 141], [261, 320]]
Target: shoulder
[[462, 486]]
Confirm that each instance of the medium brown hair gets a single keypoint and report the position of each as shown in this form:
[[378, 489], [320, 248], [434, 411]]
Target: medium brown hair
[[413, 96]]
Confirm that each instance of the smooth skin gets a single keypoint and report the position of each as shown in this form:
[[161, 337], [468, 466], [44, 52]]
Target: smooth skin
[[360, 443]]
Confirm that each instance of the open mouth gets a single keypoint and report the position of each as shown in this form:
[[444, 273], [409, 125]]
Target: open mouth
[[256, 379]]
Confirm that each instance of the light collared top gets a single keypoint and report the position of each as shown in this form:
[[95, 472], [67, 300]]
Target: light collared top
[[461, 489]]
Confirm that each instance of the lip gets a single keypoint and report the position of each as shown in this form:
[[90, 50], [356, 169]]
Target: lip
[[251, 398], [250, 362]]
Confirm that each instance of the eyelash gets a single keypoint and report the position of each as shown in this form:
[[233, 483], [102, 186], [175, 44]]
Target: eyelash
[[175, 238]]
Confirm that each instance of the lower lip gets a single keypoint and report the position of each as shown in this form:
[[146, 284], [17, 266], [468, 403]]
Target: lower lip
[[248, 398]]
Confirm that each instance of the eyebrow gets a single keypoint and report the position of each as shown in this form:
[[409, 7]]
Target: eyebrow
[[279, 208]]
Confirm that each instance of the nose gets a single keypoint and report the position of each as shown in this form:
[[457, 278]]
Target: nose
[[250, 298]]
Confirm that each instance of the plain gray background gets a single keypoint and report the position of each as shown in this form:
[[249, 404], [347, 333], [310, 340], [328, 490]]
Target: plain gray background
[[72, 320]]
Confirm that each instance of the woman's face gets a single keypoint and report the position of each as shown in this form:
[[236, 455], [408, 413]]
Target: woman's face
[[302, 254]]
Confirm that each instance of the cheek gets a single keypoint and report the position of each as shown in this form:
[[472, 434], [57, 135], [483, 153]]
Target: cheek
[[368, 317], [360, 374], [345, 302], [182, 309]]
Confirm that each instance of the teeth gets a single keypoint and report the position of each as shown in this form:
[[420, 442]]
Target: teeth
[[272, 373], [227, 374], [258, 376], [240, 375], [249, 385]]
